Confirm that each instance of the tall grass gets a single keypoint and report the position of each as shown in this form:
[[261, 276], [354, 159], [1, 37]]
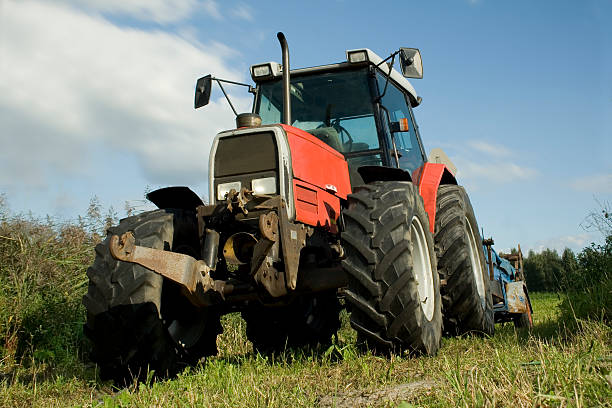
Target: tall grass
[[42, 279]]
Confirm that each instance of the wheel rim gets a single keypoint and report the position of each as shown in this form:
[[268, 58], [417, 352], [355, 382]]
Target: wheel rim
[[421, 265], [477, 269], [186, 334]]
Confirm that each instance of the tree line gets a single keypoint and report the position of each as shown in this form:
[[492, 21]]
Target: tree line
[[548, 271]]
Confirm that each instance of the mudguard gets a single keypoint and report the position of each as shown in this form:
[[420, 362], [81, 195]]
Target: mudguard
[[431, 176], [175, 197]]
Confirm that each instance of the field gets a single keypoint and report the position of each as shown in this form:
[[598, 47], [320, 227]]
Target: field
[[563, 361], [551, 366]]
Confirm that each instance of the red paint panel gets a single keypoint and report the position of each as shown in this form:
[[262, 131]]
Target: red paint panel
[[305, 199], [315, 206], [431, 175], [315, 163]]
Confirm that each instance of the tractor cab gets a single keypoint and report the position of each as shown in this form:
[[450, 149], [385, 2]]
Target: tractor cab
[[362, 108]]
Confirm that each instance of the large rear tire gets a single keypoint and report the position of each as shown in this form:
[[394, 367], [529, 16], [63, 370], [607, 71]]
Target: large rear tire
[[393, 290], [466, 299], [307, 321], [137, 321]]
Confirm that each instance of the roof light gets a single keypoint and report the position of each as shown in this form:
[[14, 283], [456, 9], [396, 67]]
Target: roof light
[[259, 71], [265, 71], [355, 57]]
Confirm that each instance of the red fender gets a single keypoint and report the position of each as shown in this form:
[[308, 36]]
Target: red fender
[[431, 176]]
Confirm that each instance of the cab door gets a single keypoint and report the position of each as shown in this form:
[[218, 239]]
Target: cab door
[[409, 149]]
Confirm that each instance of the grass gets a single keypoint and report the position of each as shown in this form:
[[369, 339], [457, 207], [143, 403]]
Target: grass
[[551, 366], [44, 361]]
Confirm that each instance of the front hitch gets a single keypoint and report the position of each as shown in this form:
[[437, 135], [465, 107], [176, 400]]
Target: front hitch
[[191, 274]]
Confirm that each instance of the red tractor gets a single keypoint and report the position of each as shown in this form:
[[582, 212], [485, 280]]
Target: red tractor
[[321, 198]]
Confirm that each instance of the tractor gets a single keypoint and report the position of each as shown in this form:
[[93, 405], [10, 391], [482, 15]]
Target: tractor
[[508, 286], [321, 198]]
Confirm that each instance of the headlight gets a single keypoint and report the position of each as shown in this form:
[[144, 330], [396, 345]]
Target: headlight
[[357, 56], [223, 189], [265, 185], [261, 70]]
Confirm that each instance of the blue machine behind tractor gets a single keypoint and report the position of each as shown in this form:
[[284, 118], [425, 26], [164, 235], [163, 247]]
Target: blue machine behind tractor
[[508, 286]]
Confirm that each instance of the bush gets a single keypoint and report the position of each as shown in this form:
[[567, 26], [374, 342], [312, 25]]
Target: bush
[[42, 280], [588, 292]]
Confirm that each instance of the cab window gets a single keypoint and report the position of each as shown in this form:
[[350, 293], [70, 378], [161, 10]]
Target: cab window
[[407, 144], [336, 107]]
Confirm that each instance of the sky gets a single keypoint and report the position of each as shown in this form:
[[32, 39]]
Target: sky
[[96, 97]]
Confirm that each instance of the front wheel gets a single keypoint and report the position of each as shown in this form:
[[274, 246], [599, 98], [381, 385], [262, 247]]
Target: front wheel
[[309, 320], [394, 289], [137, 321]]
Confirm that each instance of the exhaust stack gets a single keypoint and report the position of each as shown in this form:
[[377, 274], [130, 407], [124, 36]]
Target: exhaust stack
[[286, 84]]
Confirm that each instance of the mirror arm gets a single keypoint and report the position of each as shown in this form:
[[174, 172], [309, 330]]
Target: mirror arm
[[251, 88], [392, 56], [387, 59], [224, 93]]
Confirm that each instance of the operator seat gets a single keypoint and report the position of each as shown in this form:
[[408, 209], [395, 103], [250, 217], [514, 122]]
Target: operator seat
[[328, 135]]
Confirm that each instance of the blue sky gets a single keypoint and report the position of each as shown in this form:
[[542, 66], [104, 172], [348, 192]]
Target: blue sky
[[96, 97]]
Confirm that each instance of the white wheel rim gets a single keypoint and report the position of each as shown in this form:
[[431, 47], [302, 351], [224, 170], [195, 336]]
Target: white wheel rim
[[421, 265], [475, 263]]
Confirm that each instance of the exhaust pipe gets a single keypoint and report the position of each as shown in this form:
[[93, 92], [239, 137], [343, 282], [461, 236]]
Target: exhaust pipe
[[286, 84]]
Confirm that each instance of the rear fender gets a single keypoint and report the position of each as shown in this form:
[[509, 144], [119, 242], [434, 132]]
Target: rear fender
[[175, 197], [432, 175]]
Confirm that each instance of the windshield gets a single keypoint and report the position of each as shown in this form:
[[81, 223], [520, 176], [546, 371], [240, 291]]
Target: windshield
[[336, 107]]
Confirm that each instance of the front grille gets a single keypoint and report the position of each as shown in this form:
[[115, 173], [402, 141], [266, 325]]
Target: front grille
[[244, 158], [245, 154]]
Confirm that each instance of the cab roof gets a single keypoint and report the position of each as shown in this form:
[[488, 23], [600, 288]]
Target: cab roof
[[276, 71]]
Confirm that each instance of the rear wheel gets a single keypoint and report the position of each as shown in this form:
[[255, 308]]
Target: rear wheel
[[306, 321], [393, 290], [136, 320], [466, 299]]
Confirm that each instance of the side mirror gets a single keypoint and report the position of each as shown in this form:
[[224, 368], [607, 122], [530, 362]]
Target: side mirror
[[411, 63], [202, 91]]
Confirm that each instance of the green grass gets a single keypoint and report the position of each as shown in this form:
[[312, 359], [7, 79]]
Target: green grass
[[563, 361], [551, 366]]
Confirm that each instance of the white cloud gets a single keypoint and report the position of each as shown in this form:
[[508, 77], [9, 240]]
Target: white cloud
[[499, 172], [159, 11], [574, 242], [72, 84], [242, 11], [595, 183], [496, 150], [212, 8], [480, 162]]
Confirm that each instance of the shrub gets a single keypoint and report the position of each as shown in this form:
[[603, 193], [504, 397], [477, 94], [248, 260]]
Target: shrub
[[42, 280], [589, 288]]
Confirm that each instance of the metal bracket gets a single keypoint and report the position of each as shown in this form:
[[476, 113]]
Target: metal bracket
[[191, 274], [292, 238]]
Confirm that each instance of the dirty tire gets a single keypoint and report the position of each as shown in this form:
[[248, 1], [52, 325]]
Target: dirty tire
[[309, 320], [389, 252], [466, 299], [124, 301]]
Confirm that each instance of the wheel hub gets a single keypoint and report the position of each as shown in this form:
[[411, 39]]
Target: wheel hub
[[421, 265]]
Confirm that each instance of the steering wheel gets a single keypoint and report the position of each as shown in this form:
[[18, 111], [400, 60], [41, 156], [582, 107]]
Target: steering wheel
[[342, 131]]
